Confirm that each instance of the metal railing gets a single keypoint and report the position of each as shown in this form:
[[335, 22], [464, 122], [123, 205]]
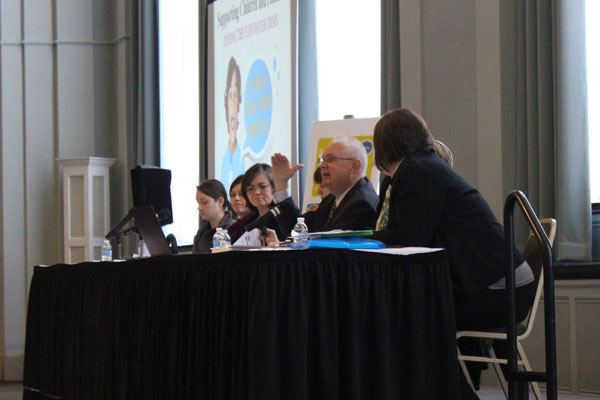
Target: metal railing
[[515, 377]]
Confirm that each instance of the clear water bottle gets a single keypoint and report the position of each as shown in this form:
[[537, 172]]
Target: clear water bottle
[[106, 251], [221, 238], [143, 249], [226, 242], [299, 235]]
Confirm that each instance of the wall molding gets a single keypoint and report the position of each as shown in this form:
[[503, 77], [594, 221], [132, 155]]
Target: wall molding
[[66, 42], [11, 368]]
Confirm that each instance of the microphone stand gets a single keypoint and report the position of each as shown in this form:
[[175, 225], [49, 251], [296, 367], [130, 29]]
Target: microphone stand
[[172, 243], [116, 231], [118, 239]]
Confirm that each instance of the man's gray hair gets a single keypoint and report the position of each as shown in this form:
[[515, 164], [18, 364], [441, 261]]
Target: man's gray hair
[[354, 149]]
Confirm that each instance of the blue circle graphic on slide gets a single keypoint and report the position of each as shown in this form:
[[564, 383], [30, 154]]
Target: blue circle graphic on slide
[[368, 145], [258, 107]]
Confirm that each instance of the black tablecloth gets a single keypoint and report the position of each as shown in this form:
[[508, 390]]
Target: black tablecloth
[[314, 324]]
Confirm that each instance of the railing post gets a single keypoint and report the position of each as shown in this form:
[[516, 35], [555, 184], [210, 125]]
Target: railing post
[[514, 376]]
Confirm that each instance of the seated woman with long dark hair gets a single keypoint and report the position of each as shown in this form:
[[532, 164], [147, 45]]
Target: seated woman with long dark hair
[[425, 203], [215, 212], [239, 204], [242, 210]]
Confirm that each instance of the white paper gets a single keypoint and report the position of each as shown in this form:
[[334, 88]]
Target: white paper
[[403, 251], [249, 239]]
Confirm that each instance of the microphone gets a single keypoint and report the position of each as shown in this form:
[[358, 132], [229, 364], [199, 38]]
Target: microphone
[[264, 220], [114, 232], [164, 216], [131, 230]]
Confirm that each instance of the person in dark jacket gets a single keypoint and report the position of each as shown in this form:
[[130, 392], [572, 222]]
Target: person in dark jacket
[[257, 187], [237, 199], [425, 203], [322, 190], [242, 211], [215, 212]]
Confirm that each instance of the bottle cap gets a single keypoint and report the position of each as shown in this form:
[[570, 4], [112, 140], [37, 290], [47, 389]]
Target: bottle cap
[[300, 219], [219, 229]]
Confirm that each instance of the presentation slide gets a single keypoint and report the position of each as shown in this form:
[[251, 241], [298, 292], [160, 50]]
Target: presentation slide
[[252, 77]]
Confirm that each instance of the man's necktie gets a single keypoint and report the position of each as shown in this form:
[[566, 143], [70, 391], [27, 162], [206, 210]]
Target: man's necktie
[[384, 214], [331, 212]]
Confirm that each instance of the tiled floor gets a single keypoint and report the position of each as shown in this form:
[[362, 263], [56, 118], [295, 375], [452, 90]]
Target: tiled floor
[[14, 391], [11, 391], [492, 393]]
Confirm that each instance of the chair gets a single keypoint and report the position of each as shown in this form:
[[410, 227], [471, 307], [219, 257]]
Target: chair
[[533, 256]]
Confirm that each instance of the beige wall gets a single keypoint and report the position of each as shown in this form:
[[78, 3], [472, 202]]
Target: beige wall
[[450, 55], [64, 92]]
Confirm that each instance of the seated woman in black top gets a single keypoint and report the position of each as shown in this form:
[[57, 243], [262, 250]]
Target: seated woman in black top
[[239, 204], [424, 202], [241, 208], [215, 212], [258, 186]]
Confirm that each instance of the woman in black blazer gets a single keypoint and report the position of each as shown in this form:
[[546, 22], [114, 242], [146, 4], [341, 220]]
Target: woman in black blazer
[[424, 202], [257, 187]]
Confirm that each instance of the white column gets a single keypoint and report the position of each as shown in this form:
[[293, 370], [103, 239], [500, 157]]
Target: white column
[[86, 206]]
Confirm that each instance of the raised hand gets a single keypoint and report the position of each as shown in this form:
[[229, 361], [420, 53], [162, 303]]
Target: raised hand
[[282, 170]]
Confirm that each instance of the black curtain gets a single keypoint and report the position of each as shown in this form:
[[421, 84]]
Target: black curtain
[[316, 324]]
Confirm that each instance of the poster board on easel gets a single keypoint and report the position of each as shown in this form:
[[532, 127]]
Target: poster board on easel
[[323, 134]]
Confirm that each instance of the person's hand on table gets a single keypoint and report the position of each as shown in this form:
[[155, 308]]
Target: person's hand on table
[[272, 240]]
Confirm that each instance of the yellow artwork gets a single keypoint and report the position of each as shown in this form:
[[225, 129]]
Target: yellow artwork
[[366, 140]]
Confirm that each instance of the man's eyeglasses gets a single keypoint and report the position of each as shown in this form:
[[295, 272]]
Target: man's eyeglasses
[[332, 159]]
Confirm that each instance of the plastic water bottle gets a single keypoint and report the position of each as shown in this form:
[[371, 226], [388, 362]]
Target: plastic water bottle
[[226, 241], [300, 240], [106, 251], [217, 237], [143, 249], [221, 238]]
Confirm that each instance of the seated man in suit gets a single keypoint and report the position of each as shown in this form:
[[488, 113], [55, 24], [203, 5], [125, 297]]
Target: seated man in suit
[[352, 202]]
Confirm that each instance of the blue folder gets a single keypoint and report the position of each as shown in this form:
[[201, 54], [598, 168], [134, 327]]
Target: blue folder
[[346, 243]]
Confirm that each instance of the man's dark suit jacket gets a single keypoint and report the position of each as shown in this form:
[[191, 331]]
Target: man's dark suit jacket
[[356, 211], [432, 206]]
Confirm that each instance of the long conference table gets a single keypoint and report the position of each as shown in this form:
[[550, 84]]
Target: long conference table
[[306, 324]]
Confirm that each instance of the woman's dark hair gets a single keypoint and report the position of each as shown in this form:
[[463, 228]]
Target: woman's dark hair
[[317, 177], [215, 189], [235, 182], [252, 173], [233, 68], [398, 134]]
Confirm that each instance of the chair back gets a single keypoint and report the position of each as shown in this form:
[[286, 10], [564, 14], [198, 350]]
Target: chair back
[[533, 255]]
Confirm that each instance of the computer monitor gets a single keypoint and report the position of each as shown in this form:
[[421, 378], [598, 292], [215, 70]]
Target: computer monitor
[[147, 225], [151, 186]]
